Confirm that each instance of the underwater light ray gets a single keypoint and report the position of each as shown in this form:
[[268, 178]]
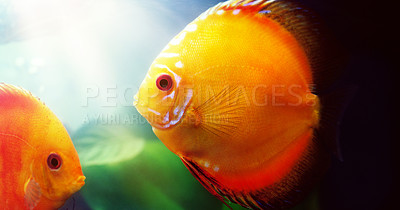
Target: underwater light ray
[[28, 25]]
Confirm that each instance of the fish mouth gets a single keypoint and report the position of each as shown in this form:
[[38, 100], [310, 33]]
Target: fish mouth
[[158, 121], [155, 118], [80, 182], [164, 118], [70, 189]]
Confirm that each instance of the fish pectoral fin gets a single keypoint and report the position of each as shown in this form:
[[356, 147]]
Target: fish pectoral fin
[[221, 114], [32, 193]]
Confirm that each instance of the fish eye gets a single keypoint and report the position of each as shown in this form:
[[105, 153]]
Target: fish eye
[[164, 82], [54, 161]]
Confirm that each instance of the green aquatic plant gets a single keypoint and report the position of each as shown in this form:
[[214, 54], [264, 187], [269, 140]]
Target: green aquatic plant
[[108, 145], [150, 177]]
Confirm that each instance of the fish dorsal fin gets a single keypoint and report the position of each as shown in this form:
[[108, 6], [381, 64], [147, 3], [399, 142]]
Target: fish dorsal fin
[[7, 90], [325, 56], [32, 193]]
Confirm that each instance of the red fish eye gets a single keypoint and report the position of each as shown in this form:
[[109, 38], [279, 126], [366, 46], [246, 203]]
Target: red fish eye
[[54, 161], [164, 82]]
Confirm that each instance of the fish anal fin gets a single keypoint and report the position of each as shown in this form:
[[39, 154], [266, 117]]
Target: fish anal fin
[[32, 193], [204, 180], [245, 198]]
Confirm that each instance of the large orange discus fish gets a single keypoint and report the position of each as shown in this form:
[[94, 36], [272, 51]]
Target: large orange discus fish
[[238, 95], [39, 166]]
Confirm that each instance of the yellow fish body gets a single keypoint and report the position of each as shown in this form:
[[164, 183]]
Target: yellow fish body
[[39, 166], [234, 95]]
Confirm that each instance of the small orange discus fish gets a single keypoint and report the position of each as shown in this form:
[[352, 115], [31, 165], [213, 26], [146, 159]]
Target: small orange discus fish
[[39, 166], [242, 96]]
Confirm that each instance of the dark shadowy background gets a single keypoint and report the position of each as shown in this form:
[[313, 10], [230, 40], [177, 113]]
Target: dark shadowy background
[[366, 178]]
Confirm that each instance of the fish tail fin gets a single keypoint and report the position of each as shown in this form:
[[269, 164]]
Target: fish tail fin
[[333, 106]]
